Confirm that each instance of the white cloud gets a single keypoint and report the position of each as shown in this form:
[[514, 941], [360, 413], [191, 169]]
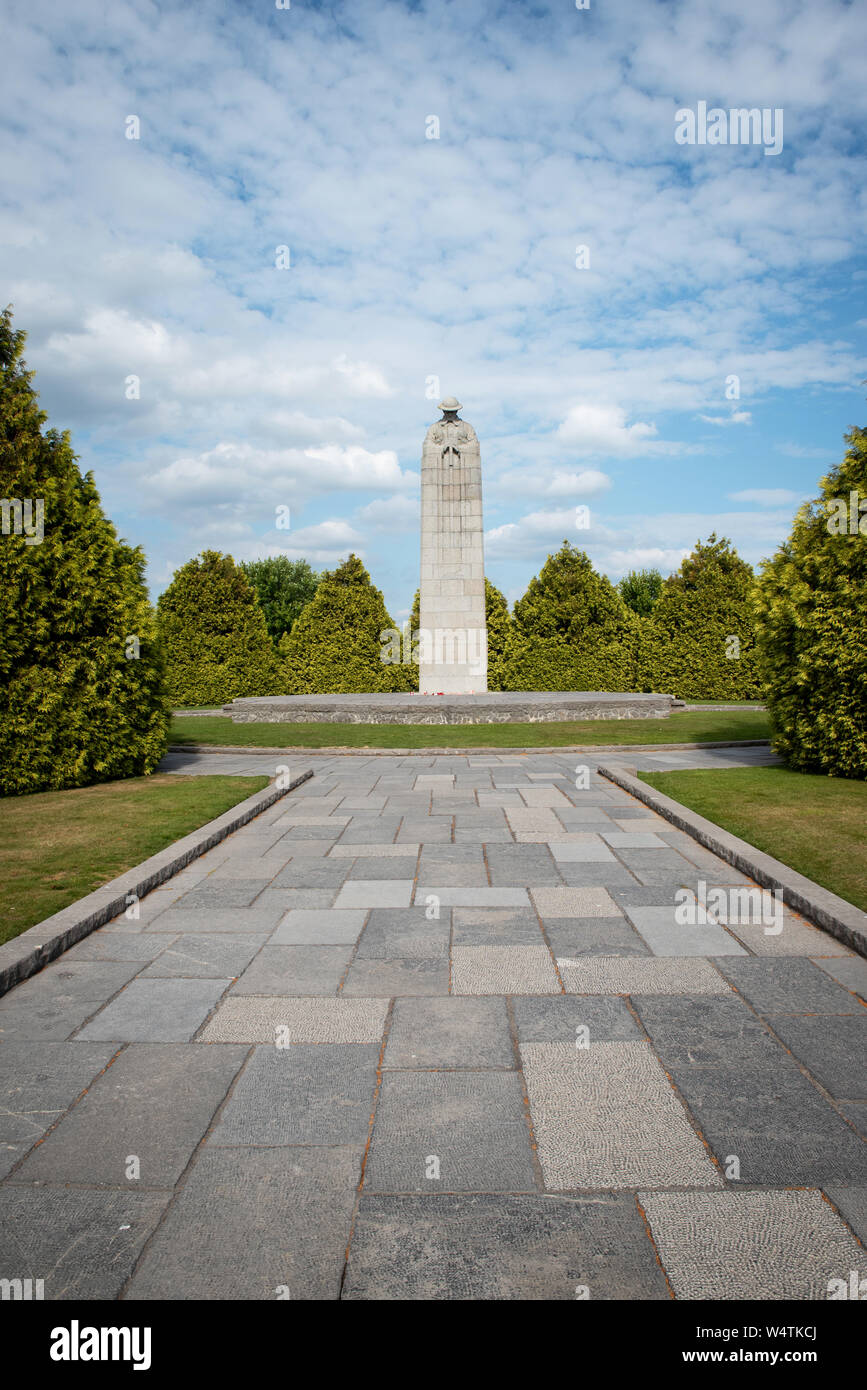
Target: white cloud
[[738, 417], [602, 429]]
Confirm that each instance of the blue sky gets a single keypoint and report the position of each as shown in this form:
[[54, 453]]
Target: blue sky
[[452, 258]]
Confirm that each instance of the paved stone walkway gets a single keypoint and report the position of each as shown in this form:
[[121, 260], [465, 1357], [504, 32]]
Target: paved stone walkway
[[427, 1028]]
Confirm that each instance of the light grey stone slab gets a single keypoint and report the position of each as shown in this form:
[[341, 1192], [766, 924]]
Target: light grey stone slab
[[373, 851], [375, 893], [255, 1224], [295, 970], [641, 975], [84, 1244], [456, 1032], [504, 970], [206, 957], [472, 1122], [606, 1116], [667, 937], [154, 1103], [210, 893], [168, 1010], [405, 934], [850, 971], [319, 927], [473, 897], [750, 1245], [52, 1004], [499, 1247], [40, 1080], [304, 1094], [574, 902], [797, 938], [234, 920], [495, 926], [114, 945], [588, 850], [264, 1019]]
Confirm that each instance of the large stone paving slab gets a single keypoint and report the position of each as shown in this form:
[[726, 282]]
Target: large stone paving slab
[[500, 1247], [153, 1104], [255, 1224], [52, 1004], [40, 1080], [751, 1245], [457, 1131], [167, 1010], [456, 1032], [305, 1094], [84, 1244]]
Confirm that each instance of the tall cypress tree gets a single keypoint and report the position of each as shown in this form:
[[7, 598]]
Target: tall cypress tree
[[698, 640], [811, 615], [215, 636], [571, 630], [81, 672], [337, 644]]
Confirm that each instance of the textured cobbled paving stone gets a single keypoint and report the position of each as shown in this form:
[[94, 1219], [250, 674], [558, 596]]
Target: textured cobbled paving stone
[[756, 1245], [428, 1028]]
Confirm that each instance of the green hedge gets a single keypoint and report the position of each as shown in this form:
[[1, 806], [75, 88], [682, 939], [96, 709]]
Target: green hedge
[[811, 618], [698, 641], [214, 632], [81, 671], [336, 644]]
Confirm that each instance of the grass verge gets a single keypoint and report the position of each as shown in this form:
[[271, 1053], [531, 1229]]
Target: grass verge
[[57, 846], [814, 824], [691, 726]]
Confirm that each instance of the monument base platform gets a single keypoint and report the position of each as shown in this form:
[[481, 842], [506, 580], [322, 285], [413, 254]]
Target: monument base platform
[[495, 707]]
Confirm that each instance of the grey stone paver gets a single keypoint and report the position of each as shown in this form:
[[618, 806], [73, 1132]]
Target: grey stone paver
[[476, 1246], [427, 1028], [305, 1094], [167, 1010], [466, 1129], [40, 1080], [83, 1242], [154, 1104], [255, 1224], [444, 1032], [295, 970]]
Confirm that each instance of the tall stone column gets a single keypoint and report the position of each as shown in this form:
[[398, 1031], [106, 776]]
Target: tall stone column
[[453, 649]]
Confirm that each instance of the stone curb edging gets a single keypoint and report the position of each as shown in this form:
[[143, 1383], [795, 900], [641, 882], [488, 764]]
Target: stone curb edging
[[26, 954], [365, 751], [837, 917]]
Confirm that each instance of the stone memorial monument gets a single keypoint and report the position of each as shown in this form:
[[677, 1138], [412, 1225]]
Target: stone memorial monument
[[453, 658]]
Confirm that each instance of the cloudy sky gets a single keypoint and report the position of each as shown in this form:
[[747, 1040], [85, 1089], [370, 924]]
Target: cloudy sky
[[305, 377]]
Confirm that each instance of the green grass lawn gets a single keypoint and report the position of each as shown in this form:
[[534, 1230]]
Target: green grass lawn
[[58, 846], [816, 825], [688, 727]]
